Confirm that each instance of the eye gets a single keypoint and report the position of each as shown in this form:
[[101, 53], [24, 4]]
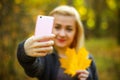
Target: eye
[[57, 27], [69, 29]]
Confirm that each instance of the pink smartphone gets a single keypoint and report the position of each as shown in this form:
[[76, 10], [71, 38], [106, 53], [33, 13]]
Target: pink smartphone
[[44, 25]]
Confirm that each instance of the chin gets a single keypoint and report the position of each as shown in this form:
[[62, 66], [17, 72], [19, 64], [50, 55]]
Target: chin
[[61, 46]]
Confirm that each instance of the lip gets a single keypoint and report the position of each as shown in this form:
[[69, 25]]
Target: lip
[[61, 40]]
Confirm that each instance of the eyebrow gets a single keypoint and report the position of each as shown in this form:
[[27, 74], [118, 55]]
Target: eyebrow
[[66, 25], [58, 24]]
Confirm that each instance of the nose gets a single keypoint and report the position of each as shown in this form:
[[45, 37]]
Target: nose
[[62, 33]]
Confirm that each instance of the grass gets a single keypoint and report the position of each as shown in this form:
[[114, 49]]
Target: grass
[[106, 53]]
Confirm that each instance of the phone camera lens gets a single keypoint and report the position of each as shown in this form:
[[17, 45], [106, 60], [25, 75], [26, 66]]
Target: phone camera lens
[[40, 16]]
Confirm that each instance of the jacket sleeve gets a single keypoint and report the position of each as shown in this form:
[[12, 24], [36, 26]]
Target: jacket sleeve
[[34, 67], [92, 70]]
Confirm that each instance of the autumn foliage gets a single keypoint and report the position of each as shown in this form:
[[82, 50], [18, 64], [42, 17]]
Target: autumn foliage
[[75, 61]]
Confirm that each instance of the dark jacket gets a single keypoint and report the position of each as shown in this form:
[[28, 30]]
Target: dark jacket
[[46, 68]]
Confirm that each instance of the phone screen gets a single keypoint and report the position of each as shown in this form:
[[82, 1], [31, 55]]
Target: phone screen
[[44, 25]]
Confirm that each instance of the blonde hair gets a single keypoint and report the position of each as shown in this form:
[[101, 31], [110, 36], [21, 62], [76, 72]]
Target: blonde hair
[[71, 11]]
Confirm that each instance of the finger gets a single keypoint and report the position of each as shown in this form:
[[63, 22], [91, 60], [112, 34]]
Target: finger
[[43, 49], [82, 76], [43, 44], [82, 71], [82, 79], [44, 38], [29, 41], [37, 54]]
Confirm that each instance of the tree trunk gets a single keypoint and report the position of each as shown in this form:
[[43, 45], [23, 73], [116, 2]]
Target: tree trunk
[[118, 33], [70, 2]]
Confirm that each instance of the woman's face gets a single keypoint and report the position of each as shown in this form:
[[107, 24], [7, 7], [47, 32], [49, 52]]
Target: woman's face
[[64, 28]]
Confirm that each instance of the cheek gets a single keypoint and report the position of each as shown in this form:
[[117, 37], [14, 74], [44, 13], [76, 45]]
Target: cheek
[[71, 37], [73, 33], [54, 31]]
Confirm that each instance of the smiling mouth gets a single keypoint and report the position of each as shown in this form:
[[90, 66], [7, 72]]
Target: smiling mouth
[[61, 40]]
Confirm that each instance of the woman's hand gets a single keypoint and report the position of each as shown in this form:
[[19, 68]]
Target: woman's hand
[[39, 46], [83, 74]]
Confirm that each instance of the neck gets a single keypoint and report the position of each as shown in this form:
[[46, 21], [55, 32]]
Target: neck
[[61, 51]]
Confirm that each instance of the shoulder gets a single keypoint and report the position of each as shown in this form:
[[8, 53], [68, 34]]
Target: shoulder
[[90, 56], [93, 65]]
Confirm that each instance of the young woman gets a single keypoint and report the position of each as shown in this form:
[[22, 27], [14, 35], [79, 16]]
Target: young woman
[[41, 59]]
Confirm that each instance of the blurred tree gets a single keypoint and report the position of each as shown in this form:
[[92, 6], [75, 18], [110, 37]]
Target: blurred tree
[[100, 18], [97, 10], [118, 21], [70, 2], [5, 19], [13, 27]]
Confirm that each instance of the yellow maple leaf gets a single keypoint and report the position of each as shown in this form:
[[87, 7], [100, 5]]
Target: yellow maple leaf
[[75, 61]]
